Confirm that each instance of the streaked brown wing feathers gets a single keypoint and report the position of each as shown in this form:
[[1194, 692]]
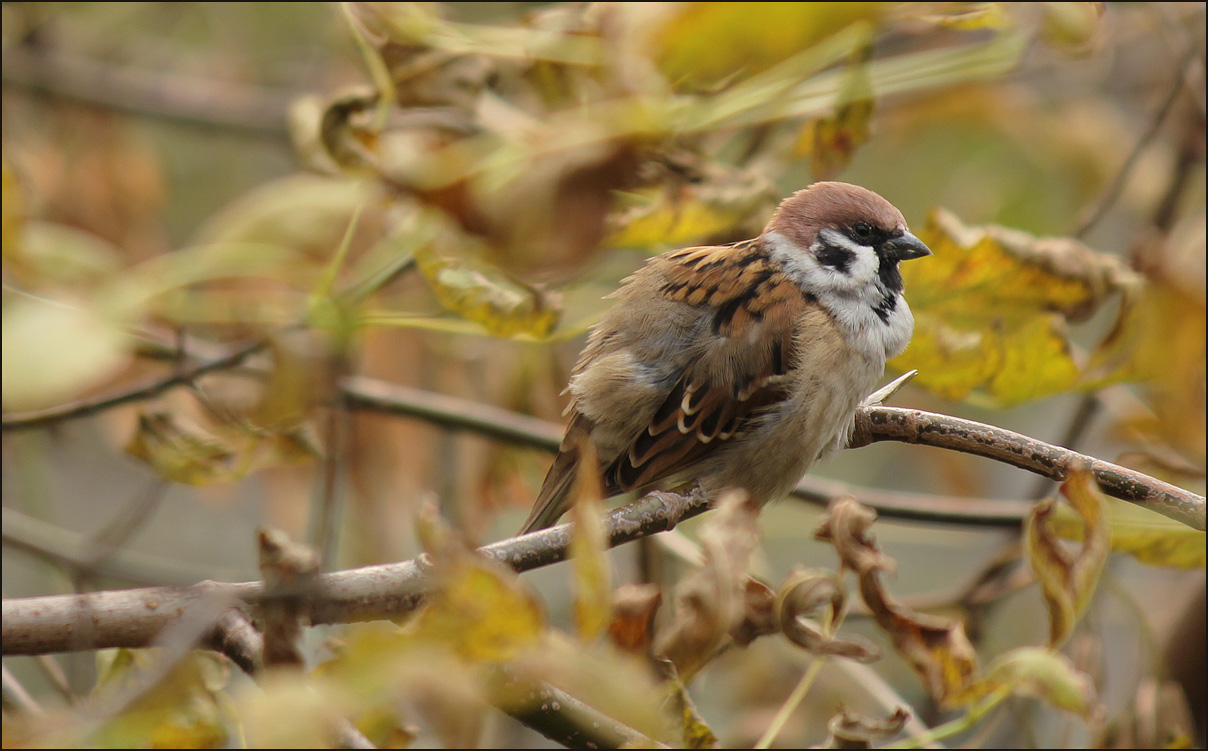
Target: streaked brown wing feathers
[[737, 373]]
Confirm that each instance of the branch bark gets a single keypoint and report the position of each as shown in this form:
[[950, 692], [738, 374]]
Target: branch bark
[[133, 617], [1053, 462]]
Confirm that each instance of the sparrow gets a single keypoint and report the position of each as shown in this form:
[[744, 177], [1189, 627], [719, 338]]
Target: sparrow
[[739, 366]]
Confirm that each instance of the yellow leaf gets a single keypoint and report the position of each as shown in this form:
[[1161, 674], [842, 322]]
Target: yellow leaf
[[701, 45], [483, 294], [589, 552], [992, 310], [696, 732], [1150, 538], [831, 141], [477, 608], [54, 351], [972, 16], [679, 215], [1068, 580], [1036, 360], [1160, 339], [180, 452], [181, 710]]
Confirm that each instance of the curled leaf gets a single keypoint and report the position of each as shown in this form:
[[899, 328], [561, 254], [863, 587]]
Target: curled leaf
[[806, 594], [1068, 580], [937, 648], [851, 730], [1047, 675], [758, 613]]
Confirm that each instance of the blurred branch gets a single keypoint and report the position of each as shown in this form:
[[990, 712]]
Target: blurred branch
[[198, 102], [132, 618], [564, 719], [146, 390], [1155, 123], [17, 698], [235, 636], [77, 551]]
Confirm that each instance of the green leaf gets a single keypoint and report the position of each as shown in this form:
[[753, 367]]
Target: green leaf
[[1047, 675]]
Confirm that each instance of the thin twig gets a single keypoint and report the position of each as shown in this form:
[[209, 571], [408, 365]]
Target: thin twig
[[147, 390], [76, 551], [1054, 462], [197, 102], [1110, 197], [16, 697]]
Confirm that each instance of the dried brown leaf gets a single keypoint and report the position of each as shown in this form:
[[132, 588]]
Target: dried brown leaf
[[589, 551], [712, 602], [631, 629], [937, 648], [809, 605], [1068, 580]]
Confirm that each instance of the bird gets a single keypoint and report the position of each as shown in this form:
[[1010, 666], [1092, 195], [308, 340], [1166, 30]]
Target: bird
[[739, 365]]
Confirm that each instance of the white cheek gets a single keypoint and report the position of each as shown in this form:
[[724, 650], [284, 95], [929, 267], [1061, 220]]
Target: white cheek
[[810, 275], [864, 265]]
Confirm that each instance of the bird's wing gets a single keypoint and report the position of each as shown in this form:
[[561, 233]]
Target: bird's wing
[[736, 368]]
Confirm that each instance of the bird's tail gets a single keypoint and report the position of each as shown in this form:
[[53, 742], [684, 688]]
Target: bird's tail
[[556, 496]]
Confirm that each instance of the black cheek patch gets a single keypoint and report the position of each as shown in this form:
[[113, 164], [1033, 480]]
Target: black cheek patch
[[839, 259]]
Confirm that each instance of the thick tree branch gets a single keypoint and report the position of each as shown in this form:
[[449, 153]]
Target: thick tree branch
[[133, 617]]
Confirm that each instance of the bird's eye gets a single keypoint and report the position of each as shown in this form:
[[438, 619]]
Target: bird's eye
[[861, 230]]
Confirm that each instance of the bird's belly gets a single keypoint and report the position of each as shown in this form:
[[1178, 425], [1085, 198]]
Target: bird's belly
[[769, 459]]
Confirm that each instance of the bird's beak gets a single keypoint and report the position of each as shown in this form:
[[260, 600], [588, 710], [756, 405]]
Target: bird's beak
[[905, 247]]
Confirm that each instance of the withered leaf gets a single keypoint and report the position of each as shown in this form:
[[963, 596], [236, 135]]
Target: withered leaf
[[1068, 580], [634, 606], [711, 603], [937, 648], [589, 551], [811, 592]]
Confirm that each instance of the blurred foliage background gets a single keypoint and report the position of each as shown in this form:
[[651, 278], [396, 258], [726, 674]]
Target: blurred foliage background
[[439, 195]]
